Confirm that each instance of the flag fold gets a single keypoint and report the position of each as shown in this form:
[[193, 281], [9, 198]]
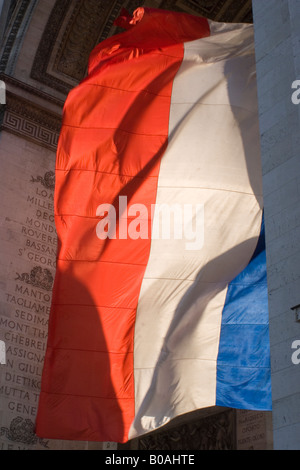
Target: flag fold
[[159, 304]]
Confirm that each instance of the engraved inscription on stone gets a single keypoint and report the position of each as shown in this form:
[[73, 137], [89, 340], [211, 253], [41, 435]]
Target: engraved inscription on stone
[[28, 250], [254, 430]]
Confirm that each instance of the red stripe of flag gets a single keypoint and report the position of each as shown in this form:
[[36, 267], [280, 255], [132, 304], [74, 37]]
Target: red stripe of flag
[[114, 134]]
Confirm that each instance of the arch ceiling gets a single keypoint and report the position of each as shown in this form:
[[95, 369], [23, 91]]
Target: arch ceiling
[[46, 45], [57, 36]]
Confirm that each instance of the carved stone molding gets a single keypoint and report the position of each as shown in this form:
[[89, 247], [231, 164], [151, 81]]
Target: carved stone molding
[[31, 122], [20, 15], [13, 34], [218, 10], [22, 430], [75, 28], [215, 432], [34, 92], [72, 31]]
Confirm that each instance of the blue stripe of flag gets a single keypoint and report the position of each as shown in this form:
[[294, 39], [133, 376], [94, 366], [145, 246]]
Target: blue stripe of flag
[[243, 365]]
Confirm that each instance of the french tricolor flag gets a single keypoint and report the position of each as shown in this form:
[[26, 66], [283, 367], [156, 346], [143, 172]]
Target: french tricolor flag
[[160, 299]]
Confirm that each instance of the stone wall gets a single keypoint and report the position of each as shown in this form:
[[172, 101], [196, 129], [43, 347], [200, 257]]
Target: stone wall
[[44, 55], [277, 38]]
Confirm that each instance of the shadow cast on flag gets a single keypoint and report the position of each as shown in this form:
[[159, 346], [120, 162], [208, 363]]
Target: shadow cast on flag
[[160, 304]]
